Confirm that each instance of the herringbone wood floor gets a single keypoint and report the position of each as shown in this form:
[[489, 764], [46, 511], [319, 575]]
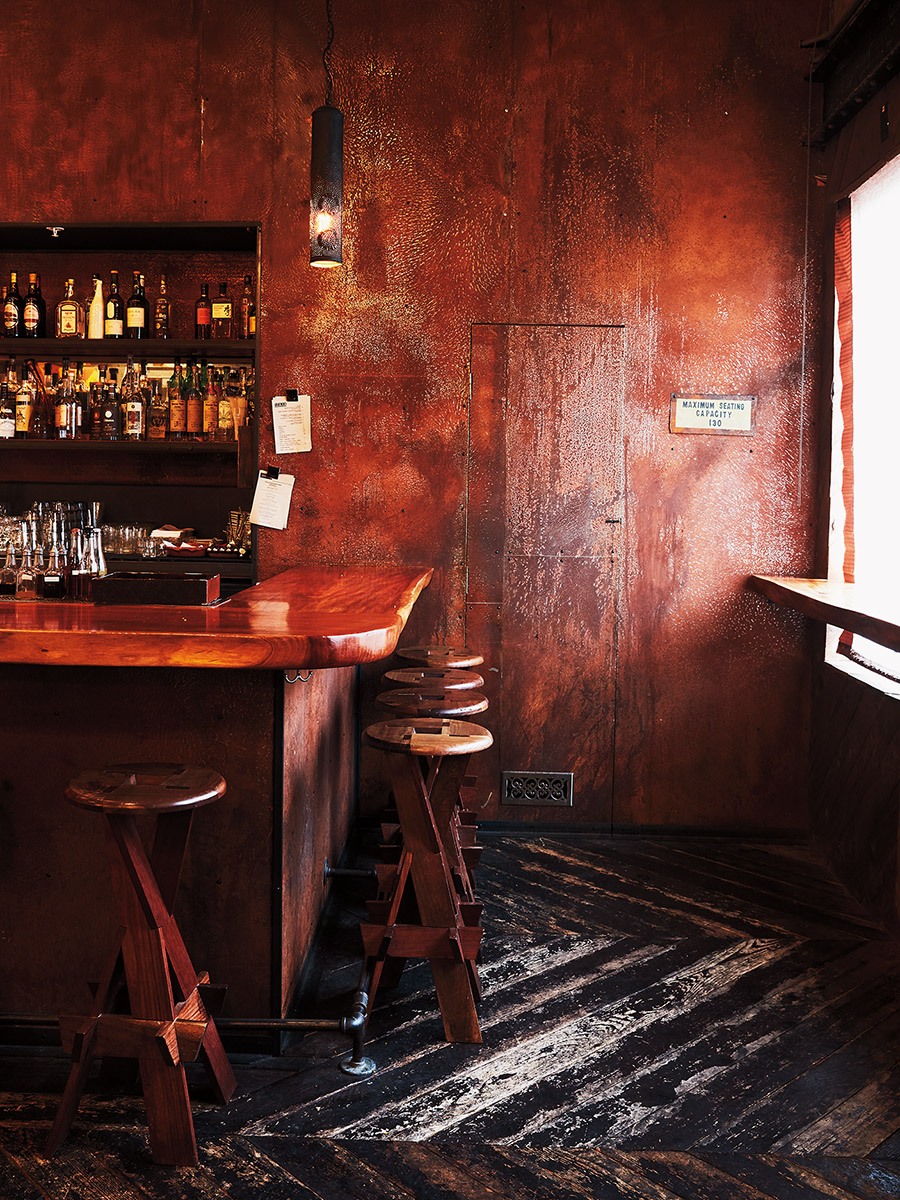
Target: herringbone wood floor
[[662, 1019]]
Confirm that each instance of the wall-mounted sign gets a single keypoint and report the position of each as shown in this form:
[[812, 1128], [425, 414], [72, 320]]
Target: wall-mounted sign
[[713, 414]]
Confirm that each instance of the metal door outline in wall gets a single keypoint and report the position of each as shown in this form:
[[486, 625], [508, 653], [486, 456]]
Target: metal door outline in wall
[[544, 507]]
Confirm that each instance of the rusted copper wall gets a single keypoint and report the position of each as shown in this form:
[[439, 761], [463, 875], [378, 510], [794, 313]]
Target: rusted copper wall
[[636, 162]]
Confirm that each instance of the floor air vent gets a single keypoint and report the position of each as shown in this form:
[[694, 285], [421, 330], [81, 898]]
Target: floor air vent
[[553, 788]]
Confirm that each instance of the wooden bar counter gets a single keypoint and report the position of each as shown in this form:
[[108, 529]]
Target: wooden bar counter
[[202, 685]]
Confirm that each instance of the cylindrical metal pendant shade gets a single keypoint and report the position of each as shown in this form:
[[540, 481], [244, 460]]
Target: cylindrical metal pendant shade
[[326, 182]]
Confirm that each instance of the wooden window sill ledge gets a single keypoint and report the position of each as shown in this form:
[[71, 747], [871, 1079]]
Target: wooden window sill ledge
[[872, 613]]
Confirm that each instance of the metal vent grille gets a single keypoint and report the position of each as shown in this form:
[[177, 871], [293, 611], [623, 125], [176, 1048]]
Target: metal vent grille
[[551, 788]]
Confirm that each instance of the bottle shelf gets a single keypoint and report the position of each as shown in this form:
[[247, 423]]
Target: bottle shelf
[[140, 463], [116, 350]]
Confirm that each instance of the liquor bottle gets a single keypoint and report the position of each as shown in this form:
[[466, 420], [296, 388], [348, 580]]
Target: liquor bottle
[[193, 401], [110, 416], [114, 321], [9, 572], [55, 574], [34, 312], [210, 404], [7, 413], [226, 413], [82, 404], [69, 314], [162, 310], [97, 310], [222, 323], [66, 404], [132, 406], [43, 417], [13, 309], [79, 567], [137, 310], [177, 404], [25, 399], [247, 303], [26, 576], [203, 314], [95, 424], [158, 411]]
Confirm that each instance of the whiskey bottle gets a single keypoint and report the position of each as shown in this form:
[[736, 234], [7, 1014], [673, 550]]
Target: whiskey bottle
[[222, 322], [158, 411], [96, 310], [95, 421], [66, 405], [132, 406], [226, 413], [203, 315], [69, 314], [193, 401], [13, 309], [162, 310], [114, 320], [137, 310], [25, 398], [247, 304], [34, 312], [177, 404], [43, 417]]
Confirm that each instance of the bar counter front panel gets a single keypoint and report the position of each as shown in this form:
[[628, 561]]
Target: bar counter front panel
[[204, 686]]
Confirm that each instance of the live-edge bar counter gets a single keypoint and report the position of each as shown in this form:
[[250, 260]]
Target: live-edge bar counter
[[201, 685]]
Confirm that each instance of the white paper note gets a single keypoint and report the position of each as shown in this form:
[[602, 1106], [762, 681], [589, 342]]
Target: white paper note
[[291, 422], [272, 501]]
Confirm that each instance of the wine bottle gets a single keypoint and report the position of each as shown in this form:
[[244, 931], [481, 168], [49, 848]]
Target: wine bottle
[[161, 311], [13, 309], [137, 310], [203, 314], [34, 312], [222, 322], [114, 321]]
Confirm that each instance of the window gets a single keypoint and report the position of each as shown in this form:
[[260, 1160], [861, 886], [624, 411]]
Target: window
[[865, 544]]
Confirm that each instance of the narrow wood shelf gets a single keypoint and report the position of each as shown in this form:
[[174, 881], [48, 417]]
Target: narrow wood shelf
[[874, 614], [204, 464], [117, 350]]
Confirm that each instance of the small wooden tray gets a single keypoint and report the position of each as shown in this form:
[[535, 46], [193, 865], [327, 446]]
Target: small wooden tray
[[148, 587]]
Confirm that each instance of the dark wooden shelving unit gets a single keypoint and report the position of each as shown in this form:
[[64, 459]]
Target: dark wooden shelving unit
[[198, 482]]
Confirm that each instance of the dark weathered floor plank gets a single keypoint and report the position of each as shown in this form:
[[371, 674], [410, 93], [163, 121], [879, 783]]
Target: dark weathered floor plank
[[682, 1020]]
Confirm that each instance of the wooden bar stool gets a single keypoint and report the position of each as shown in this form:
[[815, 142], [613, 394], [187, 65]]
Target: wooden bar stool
[[425, 702], [426, 906], [169, 1021], [440, 656], [447, 679]]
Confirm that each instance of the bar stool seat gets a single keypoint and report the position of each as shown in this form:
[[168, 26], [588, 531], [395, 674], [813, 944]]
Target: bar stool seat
[[448, 679], [440, 656], [423, 702], [171, 1005], [430, 884]]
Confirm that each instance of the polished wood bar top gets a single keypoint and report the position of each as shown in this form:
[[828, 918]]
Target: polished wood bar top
[[303, 618], [871, 613]]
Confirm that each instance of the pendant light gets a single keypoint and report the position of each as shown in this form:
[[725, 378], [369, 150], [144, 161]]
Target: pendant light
[[326, 176]]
